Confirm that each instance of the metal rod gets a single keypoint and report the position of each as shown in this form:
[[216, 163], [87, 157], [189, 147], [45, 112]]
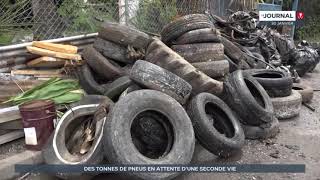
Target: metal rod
[[309, 107]]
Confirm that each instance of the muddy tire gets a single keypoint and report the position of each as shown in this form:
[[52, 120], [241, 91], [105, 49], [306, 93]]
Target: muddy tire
[[56, 151], [276, 83], [232, 66], [215, 126], [119, 146], [263, 131], [184, 24], [87, 82], [112, 50], [124, 35], [305, 91], [214, 69], [131, 88], [201, 52], [161, 55], [206, 35], [287, 107], [157, 78], [114, 89], [100, 64], [259, 63], [248, 99]]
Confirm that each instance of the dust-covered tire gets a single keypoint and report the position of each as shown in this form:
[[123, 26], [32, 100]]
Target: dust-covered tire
[[287, 107], [223, 135], [114, 89], [305, 91], [112, 50], [124, 35], [201, 52], [160, 54], [184, 24], [248, 99], [100, 64], [56, 152], [263, 131], [87, 82], [206, 35], [214, 69], [119, 147], [157, 78], [276, 83]]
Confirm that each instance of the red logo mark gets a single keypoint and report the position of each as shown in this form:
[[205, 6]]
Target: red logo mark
[[300, 15]]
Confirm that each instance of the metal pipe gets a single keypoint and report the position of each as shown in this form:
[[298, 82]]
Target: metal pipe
[[72, 38]]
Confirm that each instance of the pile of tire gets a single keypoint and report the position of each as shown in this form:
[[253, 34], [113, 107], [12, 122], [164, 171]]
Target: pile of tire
[[279, 86], [252, 105], [152, 110], [195, 38]]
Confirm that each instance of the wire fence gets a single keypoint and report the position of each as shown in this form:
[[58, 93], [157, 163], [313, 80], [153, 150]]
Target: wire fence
[[28, 20]]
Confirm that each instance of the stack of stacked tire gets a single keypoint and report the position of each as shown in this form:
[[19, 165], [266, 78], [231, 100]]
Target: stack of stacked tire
[[195, 38], [278, 84], [252, 105], [109, 60]]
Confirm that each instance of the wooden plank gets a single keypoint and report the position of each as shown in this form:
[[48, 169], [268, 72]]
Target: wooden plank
[[56, 47], [47, 62], [9, 114], [45, 52], [36, 72], [11, 125], [14, 135]]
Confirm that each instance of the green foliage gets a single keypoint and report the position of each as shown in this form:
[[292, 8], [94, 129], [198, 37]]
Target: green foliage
[[152, 15], [310, 30], [86, 16]]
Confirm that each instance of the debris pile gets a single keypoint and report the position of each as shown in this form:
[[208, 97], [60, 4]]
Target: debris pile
[[148, 99]]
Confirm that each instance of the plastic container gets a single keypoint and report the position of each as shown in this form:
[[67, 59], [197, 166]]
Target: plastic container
[[37, 119]]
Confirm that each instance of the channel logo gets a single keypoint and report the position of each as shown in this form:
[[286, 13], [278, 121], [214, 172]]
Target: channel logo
[[278, 16]]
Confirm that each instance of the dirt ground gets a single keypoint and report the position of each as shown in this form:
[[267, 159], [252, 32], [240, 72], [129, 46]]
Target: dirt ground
[[297, 143]]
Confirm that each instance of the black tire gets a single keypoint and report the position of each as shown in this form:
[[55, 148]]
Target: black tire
[[173, 30], [259, 63], [124, 35], [214, 69], [100, 64], [112, 50], [201, 52], [206, 35], [157, 78], [248, 99], [224, 136], [119, 147], [263, 131], [276, 83], [87, 82], [113, 90], [131, 88], [92, 99], [305, 91], [56, 151], [160, 54], [287, 107], [232, 66]]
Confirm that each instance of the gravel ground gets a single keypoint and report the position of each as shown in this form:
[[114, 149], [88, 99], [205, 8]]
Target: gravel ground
[[297, 143]]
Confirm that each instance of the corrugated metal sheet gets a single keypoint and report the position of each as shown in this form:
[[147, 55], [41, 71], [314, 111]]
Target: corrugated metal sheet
[[15, 56]]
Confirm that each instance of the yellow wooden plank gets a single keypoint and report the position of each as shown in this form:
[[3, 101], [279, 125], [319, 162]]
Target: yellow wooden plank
[[36, 72], [48, 62], [45, 52], [56, 47]]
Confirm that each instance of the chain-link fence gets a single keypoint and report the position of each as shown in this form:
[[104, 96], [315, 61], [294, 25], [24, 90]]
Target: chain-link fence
[[27, 20]]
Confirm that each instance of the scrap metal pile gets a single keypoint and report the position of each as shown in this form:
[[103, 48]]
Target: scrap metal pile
[[207, 79]]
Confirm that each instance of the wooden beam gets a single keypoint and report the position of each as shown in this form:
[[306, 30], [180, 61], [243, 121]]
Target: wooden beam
[[45, 52], [56, 47], [47, 62], [11, 125], [36, 72], [9, 114], [11, 136]]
